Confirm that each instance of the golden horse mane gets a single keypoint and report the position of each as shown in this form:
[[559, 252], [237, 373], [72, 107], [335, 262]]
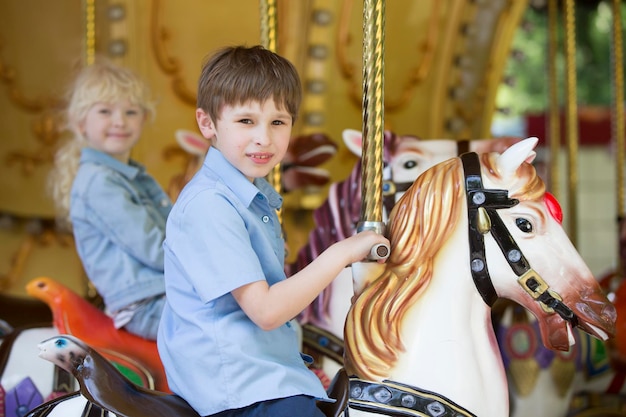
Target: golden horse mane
[[419, 224]]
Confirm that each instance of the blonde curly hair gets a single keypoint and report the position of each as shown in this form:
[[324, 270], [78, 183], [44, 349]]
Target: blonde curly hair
[[99, 82]]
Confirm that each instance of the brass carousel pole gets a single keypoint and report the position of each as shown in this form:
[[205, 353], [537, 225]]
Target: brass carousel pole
[[371, 217], [89, 58], [618, 124], [90, 31], [269, 25], [269, 39], [554, 120], [571, 118]]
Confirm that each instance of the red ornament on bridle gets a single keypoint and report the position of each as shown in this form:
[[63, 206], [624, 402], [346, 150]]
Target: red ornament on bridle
[[554, 207]]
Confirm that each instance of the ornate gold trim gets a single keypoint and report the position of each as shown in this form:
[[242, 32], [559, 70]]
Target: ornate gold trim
[[45, 127], [168, 64], [8, 76], [415, 76]]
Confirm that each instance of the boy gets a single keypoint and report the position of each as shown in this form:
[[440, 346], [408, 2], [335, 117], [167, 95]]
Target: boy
[[224, 338]]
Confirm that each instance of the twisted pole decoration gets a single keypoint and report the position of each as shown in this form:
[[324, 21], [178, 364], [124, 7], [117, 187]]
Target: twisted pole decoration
[[269, 40], [90, 31], [373, 123], [555, 108], [269, 25], [571, 115], [618, 116]]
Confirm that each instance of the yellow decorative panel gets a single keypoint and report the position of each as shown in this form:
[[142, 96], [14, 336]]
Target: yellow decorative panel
[[443, 62], [40, 43]]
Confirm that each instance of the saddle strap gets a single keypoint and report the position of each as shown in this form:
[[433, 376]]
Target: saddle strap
[[395, 399], [323, 341]]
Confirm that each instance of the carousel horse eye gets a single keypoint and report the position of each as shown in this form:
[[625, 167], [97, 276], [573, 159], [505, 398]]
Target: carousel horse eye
[[410, 164], [524, 225]]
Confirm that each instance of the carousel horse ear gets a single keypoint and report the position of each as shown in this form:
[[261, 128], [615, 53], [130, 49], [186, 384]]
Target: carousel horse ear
[[192, 142], [514, 156], [353, 140]]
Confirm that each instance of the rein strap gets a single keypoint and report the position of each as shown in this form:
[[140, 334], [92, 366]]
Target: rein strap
[[478, 197]]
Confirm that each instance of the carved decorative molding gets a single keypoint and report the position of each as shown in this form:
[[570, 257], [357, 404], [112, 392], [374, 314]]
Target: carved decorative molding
[[169, 65], [45, 127], [416, 75]]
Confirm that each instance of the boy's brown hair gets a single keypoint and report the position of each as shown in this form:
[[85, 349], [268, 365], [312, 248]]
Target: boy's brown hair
[[238, 74]]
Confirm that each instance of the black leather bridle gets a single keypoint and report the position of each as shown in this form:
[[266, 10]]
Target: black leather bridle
[[483, 218]]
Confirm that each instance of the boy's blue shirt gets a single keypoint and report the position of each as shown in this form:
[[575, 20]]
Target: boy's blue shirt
[[223, 233], [118, 214]]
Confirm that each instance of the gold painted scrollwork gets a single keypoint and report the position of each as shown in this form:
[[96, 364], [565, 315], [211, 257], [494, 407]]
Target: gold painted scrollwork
[[46, 130], [169, 65], [45, 127], [416, 75], [9, 77]]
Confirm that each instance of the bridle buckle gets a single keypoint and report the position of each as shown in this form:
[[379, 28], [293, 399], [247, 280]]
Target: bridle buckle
[[537, 288]]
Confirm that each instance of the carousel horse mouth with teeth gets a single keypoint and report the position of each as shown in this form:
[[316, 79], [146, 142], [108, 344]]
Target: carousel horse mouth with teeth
[[418, 337]]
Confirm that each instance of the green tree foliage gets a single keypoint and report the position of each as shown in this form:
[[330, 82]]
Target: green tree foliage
[[528, 66]]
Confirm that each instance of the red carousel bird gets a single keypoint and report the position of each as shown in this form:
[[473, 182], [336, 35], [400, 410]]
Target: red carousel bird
[[74, 315]]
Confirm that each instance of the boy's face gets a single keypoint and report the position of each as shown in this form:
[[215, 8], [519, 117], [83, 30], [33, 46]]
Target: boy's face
[[253, 136]]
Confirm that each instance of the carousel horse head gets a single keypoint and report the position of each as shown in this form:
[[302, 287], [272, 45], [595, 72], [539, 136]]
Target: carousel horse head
[[468, 231]]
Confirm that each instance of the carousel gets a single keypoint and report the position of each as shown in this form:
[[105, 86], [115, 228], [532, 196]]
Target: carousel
[[485, 304]]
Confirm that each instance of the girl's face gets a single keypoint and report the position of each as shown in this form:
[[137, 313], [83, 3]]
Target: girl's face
[[113, 128], [253, 137]]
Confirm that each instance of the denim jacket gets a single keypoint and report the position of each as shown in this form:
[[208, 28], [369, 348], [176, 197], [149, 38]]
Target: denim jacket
[[118, 213]]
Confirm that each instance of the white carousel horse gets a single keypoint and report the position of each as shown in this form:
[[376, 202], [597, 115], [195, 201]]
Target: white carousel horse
[[405, 158], [419, 337]]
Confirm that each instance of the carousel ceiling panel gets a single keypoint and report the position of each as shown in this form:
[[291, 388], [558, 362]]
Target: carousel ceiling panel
[[443, 62]]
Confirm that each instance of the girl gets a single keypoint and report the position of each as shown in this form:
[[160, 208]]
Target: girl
[[117, 211]]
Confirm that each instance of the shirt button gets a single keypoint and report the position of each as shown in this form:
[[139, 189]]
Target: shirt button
[[265, 219], [165, 202]]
